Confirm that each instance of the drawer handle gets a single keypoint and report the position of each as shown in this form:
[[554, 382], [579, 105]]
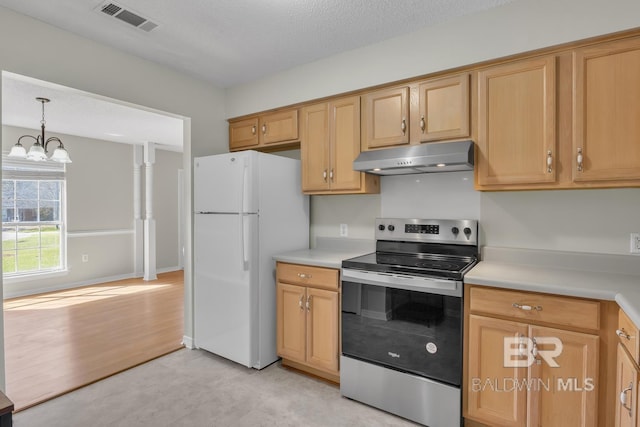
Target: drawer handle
[[527, 307], [623, 334], [300, 301], [304, 276], [623, 397]]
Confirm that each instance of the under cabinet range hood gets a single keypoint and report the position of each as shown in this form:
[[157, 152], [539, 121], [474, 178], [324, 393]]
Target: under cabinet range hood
[[423, 158]]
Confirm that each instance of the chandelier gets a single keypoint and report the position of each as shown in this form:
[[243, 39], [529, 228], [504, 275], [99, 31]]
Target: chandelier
[[38, 152]]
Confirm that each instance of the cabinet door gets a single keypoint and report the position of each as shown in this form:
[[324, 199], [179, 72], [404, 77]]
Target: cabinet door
[[626, 390], [566, 394], [385, 118], [279, 127], [243, 134], [290, 321], [444, 108], [322, 329], [344, 141], [606, 112], [517, 123], [314, 147], [492, 395]]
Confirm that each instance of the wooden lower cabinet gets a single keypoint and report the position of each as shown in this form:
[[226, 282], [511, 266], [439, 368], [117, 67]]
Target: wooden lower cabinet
[[307, 320], [626, 390], [521, 373]]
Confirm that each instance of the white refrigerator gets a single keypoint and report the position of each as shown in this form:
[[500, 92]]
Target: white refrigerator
[[248, 206]]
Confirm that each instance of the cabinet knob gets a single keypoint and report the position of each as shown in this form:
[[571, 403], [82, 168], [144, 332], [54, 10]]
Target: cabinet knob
[[423, 124], [623, 334], [549, 161], [403, 126], [579, 159]]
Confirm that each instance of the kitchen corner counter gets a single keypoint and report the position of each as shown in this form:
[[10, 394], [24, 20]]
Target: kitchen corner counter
[[586, 275], [328, 252]]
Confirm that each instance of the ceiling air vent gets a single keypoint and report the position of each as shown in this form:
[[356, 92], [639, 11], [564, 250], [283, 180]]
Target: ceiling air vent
[[126, 15]]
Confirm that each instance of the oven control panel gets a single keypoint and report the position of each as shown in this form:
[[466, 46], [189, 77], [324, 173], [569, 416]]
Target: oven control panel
[[428, 230]]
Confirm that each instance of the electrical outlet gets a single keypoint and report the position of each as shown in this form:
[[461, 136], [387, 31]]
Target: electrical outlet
[[634, 239], [85, 258], [344, 230]]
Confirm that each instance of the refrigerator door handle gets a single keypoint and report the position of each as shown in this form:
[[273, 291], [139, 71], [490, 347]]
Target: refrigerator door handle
[[241, 217], [243, 243]]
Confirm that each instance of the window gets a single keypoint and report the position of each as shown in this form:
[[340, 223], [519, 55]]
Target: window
[[33, 237]]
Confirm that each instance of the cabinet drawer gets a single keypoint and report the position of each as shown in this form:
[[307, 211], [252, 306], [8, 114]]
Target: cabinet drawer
[[628, 333], [533, 307], [306, 275]]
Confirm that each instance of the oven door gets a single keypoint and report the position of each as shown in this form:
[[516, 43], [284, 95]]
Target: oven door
[[412, 326]]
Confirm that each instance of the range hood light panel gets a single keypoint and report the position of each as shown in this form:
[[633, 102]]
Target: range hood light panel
[[446, 156]]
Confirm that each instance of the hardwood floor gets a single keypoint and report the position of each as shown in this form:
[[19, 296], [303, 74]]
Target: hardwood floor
[[60, 341]]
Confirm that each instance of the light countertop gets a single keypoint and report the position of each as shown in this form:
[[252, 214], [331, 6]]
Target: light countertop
[[329, 252], [598, 276]]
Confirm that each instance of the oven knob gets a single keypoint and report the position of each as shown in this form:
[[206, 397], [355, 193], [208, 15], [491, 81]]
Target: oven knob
[[455, 230], [381, 227], [391, 228], [467, 231]]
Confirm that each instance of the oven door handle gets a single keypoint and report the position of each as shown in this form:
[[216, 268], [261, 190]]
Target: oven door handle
[[404, 281]]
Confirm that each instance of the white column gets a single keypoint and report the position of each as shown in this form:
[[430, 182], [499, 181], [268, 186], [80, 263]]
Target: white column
[[138, 223], [149, 222]]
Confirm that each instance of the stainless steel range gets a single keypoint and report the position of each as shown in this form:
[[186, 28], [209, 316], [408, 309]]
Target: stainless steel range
[[402, 319]]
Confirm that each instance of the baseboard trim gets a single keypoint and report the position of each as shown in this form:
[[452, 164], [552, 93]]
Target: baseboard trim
[[188, 342], [25, 291]]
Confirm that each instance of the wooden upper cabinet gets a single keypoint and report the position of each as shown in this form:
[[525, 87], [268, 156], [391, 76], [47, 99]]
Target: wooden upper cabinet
[[243, 134], [385, 118], [444, 109], [606, 114], [517, 123], [314, 147], [329, 143], [268, 131], [281, 126]]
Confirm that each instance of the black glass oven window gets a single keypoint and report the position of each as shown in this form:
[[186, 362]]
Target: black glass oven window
[[410, 331]]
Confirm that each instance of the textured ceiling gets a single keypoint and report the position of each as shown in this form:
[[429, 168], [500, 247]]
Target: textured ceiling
[[228, 42], [225, 42]]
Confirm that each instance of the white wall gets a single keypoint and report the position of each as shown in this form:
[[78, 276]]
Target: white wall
[[584, 220], [512, 28]]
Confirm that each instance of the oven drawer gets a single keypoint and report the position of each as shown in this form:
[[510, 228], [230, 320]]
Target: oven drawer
[[531, 306], [306, 275]]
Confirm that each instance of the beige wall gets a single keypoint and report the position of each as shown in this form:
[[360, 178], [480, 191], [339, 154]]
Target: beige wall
[[32, 48], [100, 212]]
